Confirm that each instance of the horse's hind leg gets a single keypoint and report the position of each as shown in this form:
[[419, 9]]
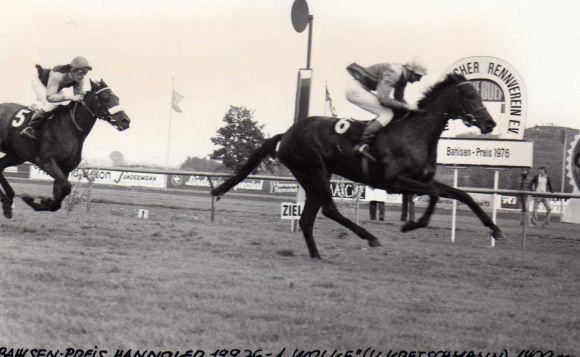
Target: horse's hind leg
[[307, 218], [6, 205], [329, 210], [454, 193], [61, 189], [311, 207], [316, 184], [322, 188], [8, 198]]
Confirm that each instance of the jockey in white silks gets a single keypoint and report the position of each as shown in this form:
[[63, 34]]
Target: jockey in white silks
[[370, 88]]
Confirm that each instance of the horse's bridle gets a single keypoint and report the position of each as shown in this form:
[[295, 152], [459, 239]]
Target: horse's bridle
[[469, 117], [108, 112]]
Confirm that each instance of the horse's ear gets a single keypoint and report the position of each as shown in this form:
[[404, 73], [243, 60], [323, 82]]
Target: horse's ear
[[103, 84], [93, 84]]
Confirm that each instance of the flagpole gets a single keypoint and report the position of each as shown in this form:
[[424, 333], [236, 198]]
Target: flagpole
[[170, 117], [325, 97]]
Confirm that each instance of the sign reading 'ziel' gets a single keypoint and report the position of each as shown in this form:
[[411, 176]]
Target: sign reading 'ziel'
[[502, 91]]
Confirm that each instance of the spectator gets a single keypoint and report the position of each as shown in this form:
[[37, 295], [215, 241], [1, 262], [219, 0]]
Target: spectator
[[373, 205], [541, 183], [377, 199]]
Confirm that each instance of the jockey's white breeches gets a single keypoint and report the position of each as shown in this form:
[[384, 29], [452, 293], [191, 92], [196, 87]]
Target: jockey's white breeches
[[357, 94], [40, 91]]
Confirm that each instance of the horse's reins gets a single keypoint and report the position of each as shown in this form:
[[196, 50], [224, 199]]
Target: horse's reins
[[471, 115], [468, 118], [110, 111]]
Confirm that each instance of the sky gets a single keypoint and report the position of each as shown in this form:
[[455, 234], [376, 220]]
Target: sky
[[218, 53]]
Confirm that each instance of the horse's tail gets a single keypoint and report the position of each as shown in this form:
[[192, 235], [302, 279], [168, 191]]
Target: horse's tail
[[267, 148]]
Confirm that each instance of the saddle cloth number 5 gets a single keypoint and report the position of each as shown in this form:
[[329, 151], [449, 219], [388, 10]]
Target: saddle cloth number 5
[[342, 126], [20, 117]]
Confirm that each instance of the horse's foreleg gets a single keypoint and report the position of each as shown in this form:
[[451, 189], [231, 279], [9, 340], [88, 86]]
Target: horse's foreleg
[[425, 218], [457, 194], [409, 187], [6, 205], [61, 188]]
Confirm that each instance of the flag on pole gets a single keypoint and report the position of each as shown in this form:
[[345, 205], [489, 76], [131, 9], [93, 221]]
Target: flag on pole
[[175, 99], [329, 103]]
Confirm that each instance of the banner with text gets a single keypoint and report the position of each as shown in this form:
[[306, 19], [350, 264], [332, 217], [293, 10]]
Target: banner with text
[[108, 177], [495, 153], [347, 190], [201, 183], [502, 91], [290, 210]]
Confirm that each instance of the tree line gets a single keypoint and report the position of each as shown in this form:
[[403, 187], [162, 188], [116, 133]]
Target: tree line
[[235, 141]]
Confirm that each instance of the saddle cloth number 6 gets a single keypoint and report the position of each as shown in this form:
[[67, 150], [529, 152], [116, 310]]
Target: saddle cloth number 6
[[342, 126]]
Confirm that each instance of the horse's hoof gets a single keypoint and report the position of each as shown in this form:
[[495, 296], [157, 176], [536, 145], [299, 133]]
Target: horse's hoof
[[409, 226], [373, 243], [28, 199], [47, 202], [8, 214], [498, 235]]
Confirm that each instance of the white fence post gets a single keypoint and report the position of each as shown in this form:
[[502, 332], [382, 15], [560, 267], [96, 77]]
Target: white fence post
[[454, 210]]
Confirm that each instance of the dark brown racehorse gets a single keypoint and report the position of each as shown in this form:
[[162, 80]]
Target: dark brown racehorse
[[60, 141], [406, 152]]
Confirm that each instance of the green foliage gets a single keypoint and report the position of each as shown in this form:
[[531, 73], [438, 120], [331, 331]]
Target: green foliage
[[117, 158], [200, 164], [238, 139]]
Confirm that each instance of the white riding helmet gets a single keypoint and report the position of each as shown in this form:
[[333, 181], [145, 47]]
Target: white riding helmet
[[416, 66], [80, 63]]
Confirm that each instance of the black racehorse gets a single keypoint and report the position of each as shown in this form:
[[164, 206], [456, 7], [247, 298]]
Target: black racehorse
[[405, 149], [60, 141]]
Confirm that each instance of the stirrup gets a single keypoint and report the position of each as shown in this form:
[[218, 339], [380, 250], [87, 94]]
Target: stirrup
[[28, 132], [362, 150]]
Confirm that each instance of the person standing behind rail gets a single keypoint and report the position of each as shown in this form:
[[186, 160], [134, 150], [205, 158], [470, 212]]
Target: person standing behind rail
[[541, 183], [523, 199]]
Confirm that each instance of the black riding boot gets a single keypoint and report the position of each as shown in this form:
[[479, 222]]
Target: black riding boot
[[30, 130], [368, 135]]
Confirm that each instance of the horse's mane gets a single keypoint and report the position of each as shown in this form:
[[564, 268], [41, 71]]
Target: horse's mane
[[431, 92]]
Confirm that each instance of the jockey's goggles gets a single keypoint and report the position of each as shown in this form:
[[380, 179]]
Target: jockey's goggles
[[82, 71]]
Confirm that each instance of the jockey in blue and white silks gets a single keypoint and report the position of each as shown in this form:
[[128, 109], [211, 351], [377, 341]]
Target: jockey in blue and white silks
[[48, 85]]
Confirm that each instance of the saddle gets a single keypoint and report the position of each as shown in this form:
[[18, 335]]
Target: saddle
[[353, 129]]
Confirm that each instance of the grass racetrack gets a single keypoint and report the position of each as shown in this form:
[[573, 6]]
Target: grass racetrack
[[177, 281]]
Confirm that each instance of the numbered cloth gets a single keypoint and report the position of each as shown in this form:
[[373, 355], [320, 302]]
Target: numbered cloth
[[350, 128]]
